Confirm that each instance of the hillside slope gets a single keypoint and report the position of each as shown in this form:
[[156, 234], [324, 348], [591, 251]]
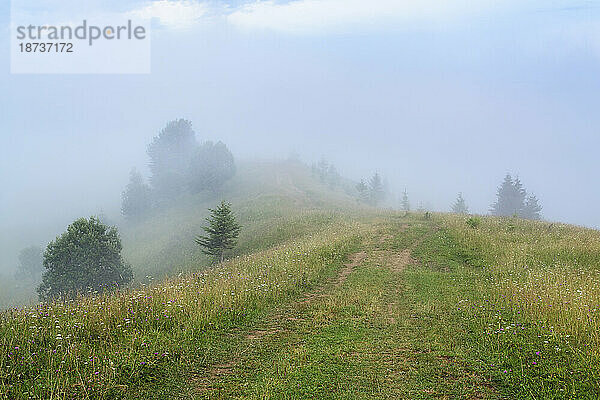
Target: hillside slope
[[326, 300], [386, 305], [273, 201]]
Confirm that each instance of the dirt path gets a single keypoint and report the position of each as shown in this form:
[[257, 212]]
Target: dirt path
[[362, 337], [205, 384]]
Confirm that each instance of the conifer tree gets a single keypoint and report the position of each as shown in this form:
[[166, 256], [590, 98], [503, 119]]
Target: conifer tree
[[405, 204], [532, 208], [512, 200], [460, 206], [510, 197], [520, 196], [363, 191], [222, 232]]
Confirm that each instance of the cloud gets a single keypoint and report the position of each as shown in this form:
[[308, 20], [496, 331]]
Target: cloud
[[173, 14], [317, 16]]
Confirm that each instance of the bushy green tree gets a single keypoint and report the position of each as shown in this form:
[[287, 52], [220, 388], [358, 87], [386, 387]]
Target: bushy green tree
[[30, 263], [222, 232], [136, 200], [460, 206], [211, 166], [170, 155], [87, 257]]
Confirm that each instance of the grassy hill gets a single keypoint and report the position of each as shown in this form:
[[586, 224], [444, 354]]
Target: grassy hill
[[273, 201], [325, 300]]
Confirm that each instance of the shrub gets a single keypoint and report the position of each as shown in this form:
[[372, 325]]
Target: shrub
[[474, 222]]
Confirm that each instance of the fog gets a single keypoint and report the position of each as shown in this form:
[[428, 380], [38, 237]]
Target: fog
[[437, 99]]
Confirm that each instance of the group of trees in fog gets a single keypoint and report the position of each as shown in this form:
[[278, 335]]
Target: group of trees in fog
[[87, 256], [513, 200], [327, 173], [373, 192], [178, 164]]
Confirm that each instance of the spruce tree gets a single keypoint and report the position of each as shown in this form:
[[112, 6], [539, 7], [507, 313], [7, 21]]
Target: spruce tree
[[520, 196], [532, 208], [405, 204], [460, 206], [222, 232], [363, 191], [510, 198]]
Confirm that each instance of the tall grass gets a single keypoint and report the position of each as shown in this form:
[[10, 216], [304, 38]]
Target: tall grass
[[550, 272], [101, 346]]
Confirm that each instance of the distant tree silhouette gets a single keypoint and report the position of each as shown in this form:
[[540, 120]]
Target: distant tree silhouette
[[405, 203], [322, 169], [363, 191], [460, 206], [333, 177], [327, 173], [30, 263], [170, 155], [512, 200], [136, 200], [520, 195], [376, 191], [532, 209], [222, 231], [210, 167], [507, 202]]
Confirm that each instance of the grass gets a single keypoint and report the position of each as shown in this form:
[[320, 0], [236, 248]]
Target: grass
[[369, 336], [113, 345], [273, 201], [535, 304], [334, 304]]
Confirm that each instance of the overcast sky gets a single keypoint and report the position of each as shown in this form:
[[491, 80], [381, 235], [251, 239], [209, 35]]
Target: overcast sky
[[439, 96]]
